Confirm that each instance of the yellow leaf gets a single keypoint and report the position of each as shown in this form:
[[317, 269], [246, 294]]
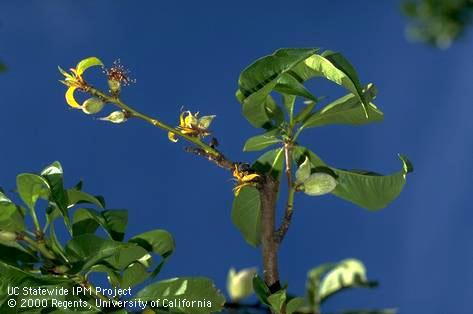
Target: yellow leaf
[[71, 101], [87, 63]]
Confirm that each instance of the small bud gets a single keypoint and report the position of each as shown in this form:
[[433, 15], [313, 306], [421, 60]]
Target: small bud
[[240, 284], [7, 236], [115, 117], [114, 85], [204, 122], [319, 183], [92, 105]]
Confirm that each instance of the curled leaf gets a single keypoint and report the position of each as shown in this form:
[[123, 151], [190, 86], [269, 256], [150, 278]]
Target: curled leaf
[[71, 101], [304, 170], [87, 63]]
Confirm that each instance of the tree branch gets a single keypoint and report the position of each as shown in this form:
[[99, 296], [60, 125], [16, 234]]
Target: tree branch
[[268, 192]]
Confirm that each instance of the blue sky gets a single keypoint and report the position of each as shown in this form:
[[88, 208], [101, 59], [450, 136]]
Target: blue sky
[[190, 54]]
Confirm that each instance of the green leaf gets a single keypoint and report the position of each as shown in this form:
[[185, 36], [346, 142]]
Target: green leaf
[[112, 221], [349, 273], [277, 300], [363, 188], [195, 289], [285, 71], [54, 176], [31, 187], [370, 191], [261, 289], [158, 241], [345, 110], [75, 196], [270, 162], [262, 141], [87, 63], [11, 218], [3, 68], [289, 102], [87, 250], [289, 85], [126, 255], [15, 277], [55, 244], [305, 112], [246, 215], [133, 275], [334, 67], [294, 305], [260, 78]]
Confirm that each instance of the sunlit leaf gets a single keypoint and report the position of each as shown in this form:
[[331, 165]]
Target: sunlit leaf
[[87, 63]]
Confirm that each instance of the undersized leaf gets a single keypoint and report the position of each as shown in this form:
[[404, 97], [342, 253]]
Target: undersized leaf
[[270, 162], [261, 289], [246, 215], [262, 141], [277, 300], [198, 289]]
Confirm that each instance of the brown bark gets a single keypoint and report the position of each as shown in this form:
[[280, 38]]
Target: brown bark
[[269, 244]]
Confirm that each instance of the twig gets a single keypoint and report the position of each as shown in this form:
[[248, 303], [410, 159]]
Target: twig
[[286, 222]]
